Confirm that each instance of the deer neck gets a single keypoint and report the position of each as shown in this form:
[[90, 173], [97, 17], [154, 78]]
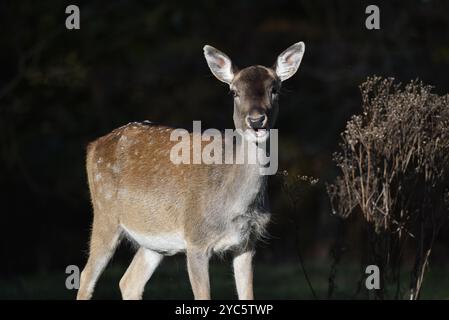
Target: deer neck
[[249, 184]]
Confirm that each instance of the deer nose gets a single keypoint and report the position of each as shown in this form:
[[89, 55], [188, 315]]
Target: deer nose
[[257, 122]]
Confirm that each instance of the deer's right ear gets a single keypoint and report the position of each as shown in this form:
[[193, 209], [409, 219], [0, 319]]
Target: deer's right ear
[[219, 63]]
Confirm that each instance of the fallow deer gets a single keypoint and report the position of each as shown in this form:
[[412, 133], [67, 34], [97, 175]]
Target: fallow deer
[[198, 209]]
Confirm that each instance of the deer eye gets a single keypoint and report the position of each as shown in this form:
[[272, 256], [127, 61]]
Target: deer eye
[[233, 93], [274, 93]]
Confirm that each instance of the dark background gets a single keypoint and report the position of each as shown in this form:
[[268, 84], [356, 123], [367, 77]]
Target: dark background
[[137, 60]]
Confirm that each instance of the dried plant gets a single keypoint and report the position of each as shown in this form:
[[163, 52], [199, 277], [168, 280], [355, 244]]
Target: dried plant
[[394, 164]]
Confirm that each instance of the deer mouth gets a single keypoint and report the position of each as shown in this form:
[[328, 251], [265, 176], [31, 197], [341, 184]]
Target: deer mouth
[[257, 135]]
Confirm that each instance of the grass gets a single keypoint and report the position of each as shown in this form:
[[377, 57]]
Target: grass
[[170, 281]]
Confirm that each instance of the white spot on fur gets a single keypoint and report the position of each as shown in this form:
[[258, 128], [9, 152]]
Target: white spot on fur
[[124, 142], [97, 177], [123, 138], [123, 193], [115, 169], [108, 194]]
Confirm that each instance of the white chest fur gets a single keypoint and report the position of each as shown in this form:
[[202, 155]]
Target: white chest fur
[[237, 234]]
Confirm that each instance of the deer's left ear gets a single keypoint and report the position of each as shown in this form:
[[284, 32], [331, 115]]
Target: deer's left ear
[[288, 61], [219, 63]]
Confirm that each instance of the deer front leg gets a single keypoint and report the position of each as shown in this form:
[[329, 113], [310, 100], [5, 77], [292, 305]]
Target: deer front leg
[[243, 273], [198, 267]]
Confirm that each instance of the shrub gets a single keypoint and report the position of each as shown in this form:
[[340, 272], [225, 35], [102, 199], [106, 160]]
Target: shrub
[[394, 171]]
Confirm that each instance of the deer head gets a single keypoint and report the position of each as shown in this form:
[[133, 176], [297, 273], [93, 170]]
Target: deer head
[[255, 89]]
